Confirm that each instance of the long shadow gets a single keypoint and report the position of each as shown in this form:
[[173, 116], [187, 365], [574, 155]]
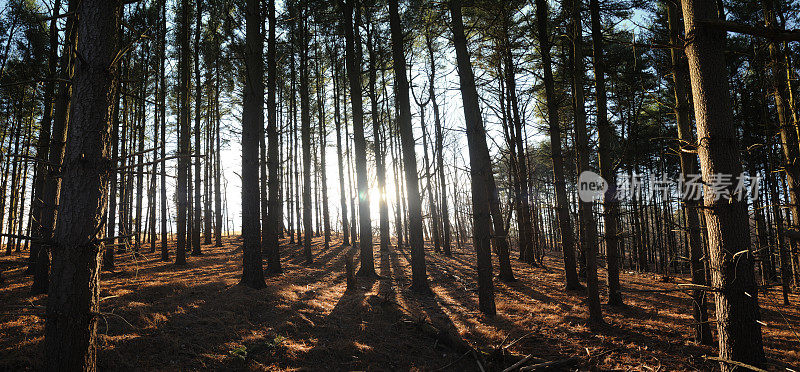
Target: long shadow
[[426, 308]]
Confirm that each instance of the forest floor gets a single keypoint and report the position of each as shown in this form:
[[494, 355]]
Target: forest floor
[[157, 316]]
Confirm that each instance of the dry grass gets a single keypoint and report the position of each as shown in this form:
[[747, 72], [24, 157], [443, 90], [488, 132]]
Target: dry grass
[[162, 317]]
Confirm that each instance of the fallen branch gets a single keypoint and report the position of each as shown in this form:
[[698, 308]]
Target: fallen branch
[[520, 363], [552, 364], [735, 363]]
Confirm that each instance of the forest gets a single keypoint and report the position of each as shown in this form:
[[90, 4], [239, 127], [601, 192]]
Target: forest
[[416, 185]]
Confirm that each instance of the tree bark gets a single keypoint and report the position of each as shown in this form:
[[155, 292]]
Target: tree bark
[[446, 246], [589, 238], [252, 124], [198, 214], [419, 276], [43, 144], [323, 144], [74, 294], [480, 164], [562, 206], [688, 168], [183, 132], [305, 130], [380, 162], [336, 114], [272, 245], [353, 60], [732, 274]]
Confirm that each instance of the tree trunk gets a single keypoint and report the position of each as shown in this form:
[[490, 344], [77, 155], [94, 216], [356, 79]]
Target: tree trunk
[[305, 130], [198, 214], [323, 144], [183, 131], [688, 168], [336, 116], [589, 238], [562, 206], [43, 144], [732, 275], [439, 147], [419, 276], [50, 195], [252, 124], [380, 163], [272, 245], [353, 59], [162, 108], [480, 164], [74, 296]]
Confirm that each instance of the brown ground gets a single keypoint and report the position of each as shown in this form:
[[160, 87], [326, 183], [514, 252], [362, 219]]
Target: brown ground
[[162, 317]]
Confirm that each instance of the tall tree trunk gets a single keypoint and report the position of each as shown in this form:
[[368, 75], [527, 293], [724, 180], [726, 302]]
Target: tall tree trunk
[[419, 276], [272, 245], [43, 144], [162, 108], [198, 214], [789, 136], [183, 131], [252, 124], [217, 163], [480, 164], [140, 160], [305, 129], [74, 295], [439, 146], [562, 206], [514, 136], [342, 191], [50, 193], [380, 162], [323, 144], [688, 168], [589, 238], [353, 60], [732, 274], [108, 254]]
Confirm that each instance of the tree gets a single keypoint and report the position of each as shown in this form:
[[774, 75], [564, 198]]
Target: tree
[[74, 294], [43, 145], [353, 62], [732, 277], [252, 124], [439, 144], [272, 244], [198, 214], [305, 123], [380, 162], [182, 187], [688, 167], [162, 108], [589, 228], [559, 183], [605, 139], [50, 199], [419, 276], [342, 191], [480, 164]]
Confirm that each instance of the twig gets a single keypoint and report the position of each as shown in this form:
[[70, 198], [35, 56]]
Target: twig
[[474, 354], [735, 363], [453, 362], [552, 364], [518, 364]]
